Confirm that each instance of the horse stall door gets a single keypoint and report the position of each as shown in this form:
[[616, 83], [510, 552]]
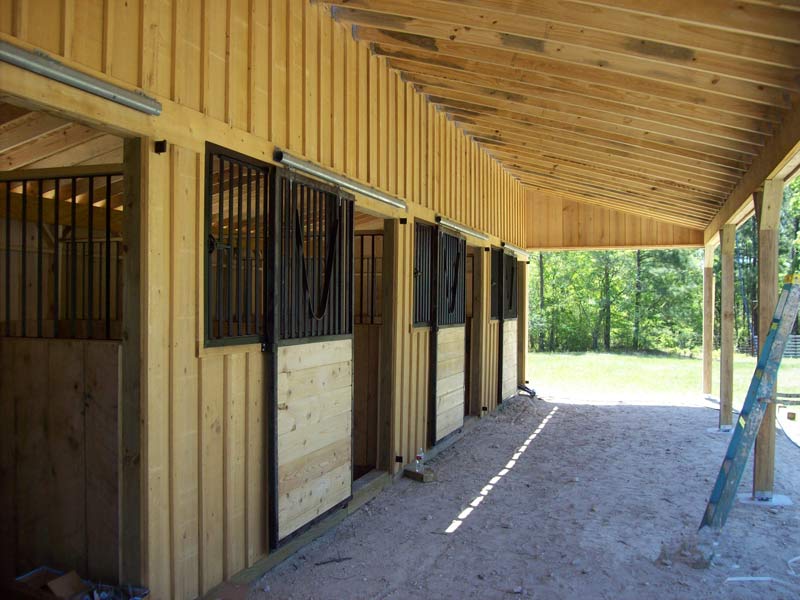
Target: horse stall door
[[450, 338], [61, 285], [312, 469], [368, 319]]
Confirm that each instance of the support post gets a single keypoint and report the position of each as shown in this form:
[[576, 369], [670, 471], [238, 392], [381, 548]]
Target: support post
[[522, 321], [728, 242], [768, 210], [708, 318]]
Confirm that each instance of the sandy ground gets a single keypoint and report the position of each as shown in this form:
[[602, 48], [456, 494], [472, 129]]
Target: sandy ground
[[582, 512]]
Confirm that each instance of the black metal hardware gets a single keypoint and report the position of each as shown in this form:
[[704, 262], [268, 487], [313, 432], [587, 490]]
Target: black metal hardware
[[62, 257], [237, 206], [423, 270], [316, 249]]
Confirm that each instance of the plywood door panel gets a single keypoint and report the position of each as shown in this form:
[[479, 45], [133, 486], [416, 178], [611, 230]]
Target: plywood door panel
[[366, 346], [59, 455], [102, 364], [450, 384], [314, 443], [509, 371]]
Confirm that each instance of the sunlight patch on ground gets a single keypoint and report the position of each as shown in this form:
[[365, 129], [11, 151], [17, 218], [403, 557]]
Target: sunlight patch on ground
[[462, 516]]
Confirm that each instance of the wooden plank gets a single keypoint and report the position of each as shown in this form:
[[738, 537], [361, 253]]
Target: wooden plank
[[727, 341], [768, 209], [278, 74], [211, 495], [256, 448], [58, 400], [234, 464], [708, 318], [102, 369], [8, 400], [307, 356], [184, 412]]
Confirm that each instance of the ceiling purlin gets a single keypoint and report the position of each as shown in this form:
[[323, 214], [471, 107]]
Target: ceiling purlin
[[658, 110]]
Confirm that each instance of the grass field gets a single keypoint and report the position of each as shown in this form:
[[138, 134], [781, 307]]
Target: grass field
[[651, 377]]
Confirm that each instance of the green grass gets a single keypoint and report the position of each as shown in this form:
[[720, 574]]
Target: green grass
[[651, 377]]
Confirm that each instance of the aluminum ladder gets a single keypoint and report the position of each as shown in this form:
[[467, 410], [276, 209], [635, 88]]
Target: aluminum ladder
[[759, 394]]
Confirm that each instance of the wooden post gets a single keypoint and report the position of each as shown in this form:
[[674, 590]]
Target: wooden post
[[130, 501], [708, 318], [768, 210], [728, 242], [522, 321]]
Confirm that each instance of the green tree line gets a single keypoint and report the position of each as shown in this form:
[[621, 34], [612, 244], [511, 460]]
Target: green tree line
[[646, 300]]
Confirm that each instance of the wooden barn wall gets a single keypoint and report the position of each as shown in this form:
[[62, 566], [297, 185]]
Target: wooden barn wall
[[553, 222], [286, 73], [249, 76], [58, 440], [509, 373], [450, 372], [315, 415]]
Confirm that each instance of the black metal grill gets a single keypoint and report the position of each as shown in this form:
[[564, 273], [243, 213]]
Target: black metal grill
[[496, 283], [451, 279], [62, 255], [423, 273], [509, 287], [316, 259], [237, 201], [368, 278]]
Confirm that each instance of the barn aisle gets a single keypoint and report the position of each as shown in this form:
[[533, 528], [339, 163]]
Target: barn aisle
[[582, 512]]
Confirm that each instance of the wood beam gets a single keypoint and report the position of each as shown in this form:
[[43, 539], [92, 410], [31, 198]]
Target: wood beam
[[768, 214], [503, 128], [570, 43], [728, 245], [637, 187], [430, 63], [594, 194], [709, 145], [726, 15], [644, 119], [580, 64], [583, 77], [604, 202], [708, 318], [521, 17], [48, 144], [621, 169], [779, 151], [521, 114], [553, 146]]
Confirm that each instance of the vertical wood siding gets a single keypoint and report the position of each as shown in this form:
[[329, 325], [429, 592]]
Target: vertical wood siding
[[249, 75], [509, 373]]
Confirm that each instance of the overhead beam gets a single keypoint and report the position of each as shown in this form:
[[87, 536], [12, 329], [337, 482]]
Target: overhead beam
[[589, 64], [780, 150], [465, 70], [445, 55], [726, 15], [515, 17], [641, 187], [549, 144], [645, 119], [529, 128], [630, 171], [570, 43], [740, 156]]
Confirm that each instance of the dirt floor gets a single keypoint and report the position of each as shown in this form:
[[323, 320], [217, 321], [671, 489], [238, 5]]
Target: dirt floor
[[582, 512]]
